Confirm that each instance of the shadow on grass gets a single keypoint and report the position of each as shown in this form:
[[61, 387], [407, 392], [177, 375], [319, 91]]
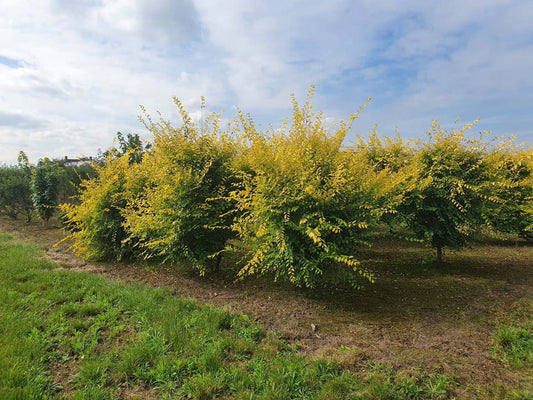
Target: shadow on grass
[[411, 284]]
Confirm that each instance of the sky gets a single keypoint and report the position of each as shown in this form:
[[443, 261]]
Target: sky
[[73, 73]]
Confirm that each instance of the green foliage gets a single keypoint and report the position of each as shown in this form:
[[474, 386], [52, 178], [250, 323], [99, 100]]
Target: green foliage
[[15, 191], [170, 204], [130, 143], [296, 201], [516, 343], [460, 186], [444, 205], [382, 382], [512, 171], [46, 185], [70, 179], [514, 336], [383, 153], [45, 188]]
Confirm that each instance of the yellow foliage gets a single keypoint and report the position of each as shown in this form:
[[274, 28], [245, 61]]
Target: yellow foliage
[[95, 221], [297, 200]]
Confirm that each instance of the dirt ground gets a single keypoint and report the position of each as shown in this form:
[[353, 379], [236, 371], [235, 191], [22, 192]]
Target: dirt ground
[[417, 315]]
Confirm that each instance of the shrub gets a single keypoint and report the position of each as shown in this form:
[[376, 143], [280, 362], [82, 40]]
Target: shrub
[[306, 203], [298, 202], [183, 211], [96, 221]]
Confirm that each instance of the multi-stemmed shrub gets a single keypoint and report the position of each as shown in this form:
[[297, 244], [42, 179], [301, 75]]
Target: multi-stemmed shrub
[[96, 221], [167, 201], [306, 203], [296, 202], [183, 211], [95, 217]]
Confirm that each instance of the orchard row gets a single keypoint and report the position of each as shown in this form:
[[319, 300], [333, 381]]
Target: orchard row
[[296, 202]]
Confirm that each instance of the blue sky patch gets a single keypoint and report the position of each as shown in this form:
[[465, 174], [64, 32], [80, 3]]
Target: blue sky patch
[[10, 62]]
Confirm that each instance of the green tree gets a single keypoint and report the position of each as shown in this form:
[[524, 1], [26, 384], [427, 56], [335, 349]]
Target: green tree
[[15, 192], [45, 188], [70, 179], [131, 143], [23, 162]]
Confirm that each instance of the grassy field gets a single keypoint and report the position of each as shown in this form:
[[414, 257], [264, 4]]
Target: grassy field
[[458, 330]]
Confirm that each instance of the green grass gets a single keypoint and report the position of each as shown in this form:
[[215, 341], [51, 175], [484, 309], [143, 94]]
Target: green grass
[[71, 335], [514, 336]]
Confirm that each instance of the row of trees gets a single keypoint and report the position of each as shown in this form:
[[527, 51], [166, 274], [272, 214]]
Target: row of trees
[[296, 202], [27, 190], [37, 190]]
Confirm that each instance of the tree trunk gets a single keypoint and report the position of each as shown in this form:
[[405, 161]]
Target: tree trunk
[[218, 260], [439, 253], [214, 264]]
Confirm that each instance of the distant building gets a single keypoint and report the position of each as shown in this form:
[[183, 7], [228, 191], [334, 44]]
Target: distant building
[[75, 162]]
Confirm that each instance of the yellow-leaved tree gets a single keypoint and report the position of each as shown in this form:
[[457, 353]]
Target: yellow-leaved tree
[[297, 202], [306, 203], [510, 205], [182, 210], [463, 185], [95, 220]]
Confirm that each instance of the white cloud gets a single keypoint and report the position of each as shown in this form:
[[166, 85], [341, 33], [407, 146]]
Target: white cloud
[[19, 121], [80, 69]]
